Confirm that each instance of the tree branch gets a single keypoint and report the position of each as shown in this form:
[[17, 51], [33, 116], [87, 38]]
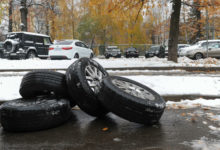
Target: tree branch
[[142, 4]]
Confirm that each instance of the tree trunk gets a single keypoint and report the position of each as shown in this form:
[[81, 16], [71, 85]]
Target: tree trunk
[[24, 12], [10, 16], [174, 31]]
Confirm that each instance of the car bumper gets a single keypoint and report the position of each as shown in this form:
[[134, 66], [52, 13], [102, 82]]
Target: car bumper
[[58, 57], [131, 55], [113, 55], [61, 54], [15, 55]]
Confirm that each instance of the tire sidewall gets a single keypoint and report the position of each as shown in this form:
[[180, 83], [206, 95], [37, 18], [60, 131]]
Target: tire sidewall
[[159, 101]]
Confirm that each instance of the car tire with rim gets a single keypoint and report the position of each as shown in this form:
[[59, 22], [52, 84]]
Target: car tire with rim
[[1, 54], [198, 56], [131, 100], [34, 114], [44, 82], [91, 56], [76, 55], [83, 79], [31, 54]]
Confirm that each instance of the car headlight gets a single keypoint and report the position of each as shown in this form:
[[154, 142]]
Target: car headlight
[[157, 52]]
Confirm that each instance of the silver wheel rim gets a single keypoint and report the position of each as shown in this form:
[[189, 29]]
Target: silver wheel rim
[[198, 56], [31, 55], [133, 89], [94, 78]]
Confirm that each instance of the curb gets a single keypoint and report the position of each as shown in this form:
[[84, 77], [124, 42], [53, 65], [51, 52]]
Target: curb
[[190, 69], [175, 98]]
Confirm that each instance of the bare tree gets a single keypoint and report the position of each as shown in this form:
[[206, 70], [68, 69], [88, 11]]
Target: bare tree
[[24, 13], [174, 31], [10, 16]]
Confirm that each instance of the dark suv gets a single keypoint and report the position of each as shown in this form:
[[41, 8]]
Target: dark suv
[[26, 45], [131, 52], [157, 50], [112, 51], [1, 49]]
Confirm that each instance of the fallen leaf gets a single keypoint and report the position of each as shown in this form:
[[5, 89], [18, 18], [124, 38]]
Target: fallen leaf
[[104, 129]]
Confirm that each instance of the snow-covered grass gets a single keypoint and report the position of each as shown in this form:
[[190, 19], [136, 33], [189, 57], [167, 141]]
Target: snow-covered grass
[[109, 63], [179, 85]]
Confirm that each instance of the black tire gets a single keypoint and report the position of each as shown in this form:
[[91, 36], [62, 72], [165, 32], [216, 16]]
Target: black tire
[[43, 82], [135, 109], [34, 114], [31, 54], [76, 56], [80, 90], [91, 56], [198, 56], [1, 54]]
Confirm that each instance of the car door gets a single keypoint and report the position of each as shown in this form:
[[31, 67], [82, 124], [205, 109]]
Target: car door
[[80, 49], [47, 44], [215, 48], [39, 44], [211, 49], [86, 50]]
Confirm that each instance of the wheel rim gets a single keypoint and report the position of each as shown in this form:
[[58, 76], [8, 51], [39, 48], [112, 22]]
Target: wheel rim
[[133, 89], [94, 78], [31, 55], [198, 56]]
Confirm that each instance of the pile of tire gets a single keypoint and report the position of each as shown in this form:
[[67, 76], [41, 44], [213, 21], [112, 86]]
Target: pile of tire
[[48, 98]]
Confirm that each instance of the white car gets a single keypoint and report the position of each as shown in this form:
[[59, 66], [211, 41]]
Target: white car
[[198, 45], [69, 49]]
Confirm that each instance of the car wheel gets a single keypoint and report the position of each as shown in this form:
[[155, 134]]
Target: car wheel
[[1, 55], [198, 56], [83, 79], [76, 56], [91, 56], [34, 114], [31, 54], [131, 100], [44, 82]]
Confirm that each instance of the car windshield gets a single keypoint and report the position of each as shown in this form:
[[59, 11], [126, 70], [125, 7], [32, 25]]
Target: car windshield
[[154, 48], [113, 49], [131, 49], [63, 43]]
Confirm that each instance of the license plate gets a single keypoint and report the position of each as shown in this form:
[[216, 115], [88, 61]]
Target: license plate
[[150, 54]]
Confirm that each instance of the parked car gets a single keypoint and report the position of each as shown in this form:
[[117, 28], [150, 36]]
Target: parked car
[[1, 49], [26, 45], [112, 51], [131, 52], [179, 49], [201, 50], [157, 50], [69, 49]]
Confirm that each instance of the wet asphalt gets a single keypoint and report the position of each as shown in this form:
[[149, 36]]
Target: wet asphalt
[[176, 130]]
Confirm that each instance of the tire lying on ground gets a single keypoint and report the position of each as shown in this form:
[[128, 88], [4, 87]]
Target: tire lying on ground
[[34, 114], [44, 82], [83, 79], [131, 100]]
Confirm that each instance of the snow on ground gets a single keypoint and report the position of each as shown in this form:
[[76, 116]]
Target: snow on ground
[[108, 63], [179, 85], [164, 85]]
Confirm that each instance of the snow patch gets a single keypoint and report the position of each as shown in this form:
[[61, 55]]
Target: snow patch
[[204, 144]]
